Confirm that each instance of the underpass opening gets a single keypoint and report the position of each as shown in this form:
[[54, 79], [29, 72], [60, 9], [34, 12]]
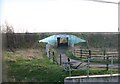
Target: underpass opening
[[62, 41]]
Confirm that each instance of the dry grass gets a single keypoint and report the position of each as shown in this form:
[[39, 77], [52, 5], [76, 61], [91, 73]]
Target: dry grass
[[27, 54]]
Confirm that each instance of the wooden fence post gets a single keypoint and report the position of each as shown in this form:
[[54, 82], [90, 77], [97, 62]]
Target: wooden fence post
[[60, 59], [81, 53], [104, 54], [53, 53], [49, 55], [53, 57], [68, 60], [89, 53], [88, 66], [107, 64], [111, 65], [69, 67]]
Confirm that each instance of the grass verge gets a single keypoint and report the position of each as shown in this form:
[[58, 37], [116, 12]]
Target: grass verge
[[34, 66]]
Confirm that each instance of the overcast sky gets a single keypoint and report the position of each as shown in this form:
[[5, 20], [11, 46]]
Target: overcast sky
[[60, 15]]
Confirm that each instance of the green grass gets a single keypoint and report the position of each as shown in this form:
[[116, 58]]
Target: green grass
[[93, 72], [22, 68], [70, 55], [35, 70]]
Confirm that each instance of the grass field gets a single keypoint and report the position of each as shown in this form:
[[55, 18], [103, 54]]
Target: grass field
[[32, 65]]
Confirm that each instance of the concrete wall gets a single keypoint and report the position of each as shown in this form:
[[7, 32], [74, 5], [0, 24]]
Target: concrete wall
[[92, 78]]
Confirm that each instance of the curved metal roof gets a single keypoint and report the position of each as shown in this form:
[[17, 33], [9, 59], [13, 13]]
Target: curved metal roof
[[71, 39]]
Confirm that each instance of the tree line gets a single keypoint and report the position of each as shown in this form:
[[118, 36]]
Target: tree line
[[12, 40], [98, 39]]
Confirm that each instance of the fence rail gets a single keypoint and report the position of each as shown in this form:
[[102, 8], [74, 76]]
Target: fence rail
[[93, 53]]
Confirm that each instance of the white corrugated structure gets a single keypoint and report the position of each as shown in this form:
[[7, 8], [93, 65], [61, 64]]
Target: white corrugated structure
[[71, 39]]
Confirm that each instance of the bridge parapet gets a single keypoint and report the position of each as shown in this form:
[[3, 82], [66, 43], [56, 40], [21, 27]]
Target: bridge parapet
[[92, 78]]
